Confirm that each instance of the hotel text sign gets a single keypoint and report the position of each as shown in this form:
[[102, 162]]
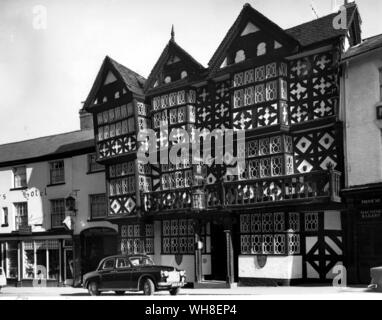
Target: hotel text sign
[[370, 209]]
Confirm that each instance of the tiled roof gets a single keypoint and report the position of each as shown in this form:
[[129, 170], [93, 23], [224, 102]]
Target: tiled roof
[[367, 45], [321, 29], [133, 80], [54, 145]]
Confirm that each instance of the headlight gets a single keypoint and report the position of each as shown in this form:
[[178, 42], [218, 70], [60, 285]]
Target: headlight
[[164, 274], [182, 273]]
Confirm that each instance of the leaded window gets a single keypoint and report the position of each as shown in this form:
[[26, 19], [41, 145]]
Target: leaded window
[[260, 74], [134, 240], [178, 237], [271, 70], [266, 234], [249, 96], [271, 91], [260, 93], [311, 221], [238, 99]]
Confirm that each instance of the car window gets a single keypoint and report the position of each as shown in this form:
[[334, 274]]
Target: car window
[[108, 264], [141, 261], [122, 263]]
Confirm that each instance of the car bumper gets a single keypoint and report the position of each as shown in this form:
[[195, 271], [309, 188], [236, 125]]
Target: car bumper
[[170, 285]]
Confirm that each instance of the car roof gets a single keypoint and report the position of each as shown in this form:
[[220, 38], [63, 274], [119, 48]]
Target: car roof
[[127, 256]]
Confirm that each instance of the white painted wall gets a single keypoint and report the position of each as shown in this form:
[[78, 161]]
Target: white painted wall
[[363, 137], [282, 268], [38, 194], [332, 220]]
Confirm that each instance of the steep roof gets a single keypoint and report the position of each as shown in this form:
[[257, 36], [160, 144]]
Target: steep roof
[[50, 146], [321, 29], [171, 47], [246, 12], [133, 81], [366, 46]]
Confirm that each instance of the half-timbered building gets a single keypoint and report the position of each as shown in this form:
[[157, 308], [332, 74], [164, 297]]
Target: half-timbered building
[[279, 220]]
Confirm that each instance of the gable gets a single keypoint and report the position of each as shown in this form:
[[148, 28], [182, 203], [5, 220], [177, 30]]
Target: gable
[[110, 78], [251, 35], [249, 28], [113, 82], [173, 65]]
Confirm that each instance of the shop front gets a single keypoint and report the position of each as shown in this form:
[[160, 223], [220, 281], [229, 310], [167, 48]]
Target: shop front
[[37, 260], [364, 231]]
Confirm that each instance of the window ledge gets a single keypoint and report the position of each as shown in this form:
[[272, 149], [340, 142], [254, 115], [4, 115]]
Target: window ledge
[[94, 172], [55, 184], [18, 189]]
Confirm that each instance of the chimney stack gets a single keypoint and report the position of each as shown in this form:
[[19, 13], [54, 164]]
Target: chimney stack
[[86, 120]]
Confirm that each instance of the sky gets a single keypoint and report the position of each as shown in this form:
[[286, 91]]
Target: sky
[[51, 50]]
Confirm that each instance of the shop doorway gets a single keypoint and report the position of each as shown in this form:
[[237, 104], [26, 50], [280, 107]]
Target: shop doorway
[[68, 267], [369, 250], [97, 244]]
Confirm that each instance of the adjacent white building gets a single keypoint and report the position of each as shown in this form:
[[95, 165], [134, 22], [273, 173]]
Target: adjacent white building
[[52, 205]]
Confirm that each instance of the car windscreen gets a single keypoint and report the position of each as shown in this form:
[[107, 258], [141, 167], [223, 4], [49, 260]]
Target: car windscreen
[[141, 261]]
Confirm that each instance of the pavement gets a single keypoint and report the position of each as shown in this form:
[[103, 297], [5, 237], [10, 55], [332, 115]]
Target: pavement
[[239, 293]]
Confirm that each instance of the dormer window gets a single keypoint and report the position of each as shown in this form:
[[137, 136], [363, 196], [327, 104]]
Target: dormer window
[[240, 56], [104, 100], [261, 49], [116, 95], [184, 74], [167, 79]]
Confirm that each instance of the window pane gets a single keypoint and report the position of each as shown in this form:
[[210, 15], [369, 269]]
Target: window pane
[[98, 206], [19, 177], [11, 260], [54, 267], [94, 166], [57, 212], [28, 260], [57, 173]]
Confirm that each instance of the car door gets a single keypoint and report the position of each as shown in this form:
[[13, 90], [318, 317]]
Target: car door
[[123, 274], [108, 273]]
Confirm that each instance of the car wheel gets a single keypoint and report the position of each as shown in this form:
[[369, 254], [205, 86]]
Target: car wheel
[[175, 291], [148, 287], [93, 289], [119, 293]]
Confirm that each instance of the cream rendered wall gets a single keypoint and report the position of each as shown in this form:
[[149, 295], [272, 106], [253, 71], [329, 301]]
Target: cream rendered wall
[[87, 184], [363, 137], [281, 268], [38, 194]]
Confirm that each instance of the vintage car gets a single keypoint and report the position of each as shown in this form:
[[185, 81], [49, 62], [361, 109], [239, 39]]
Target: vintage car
[[133, 273], [3, 279], [376, 279]]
